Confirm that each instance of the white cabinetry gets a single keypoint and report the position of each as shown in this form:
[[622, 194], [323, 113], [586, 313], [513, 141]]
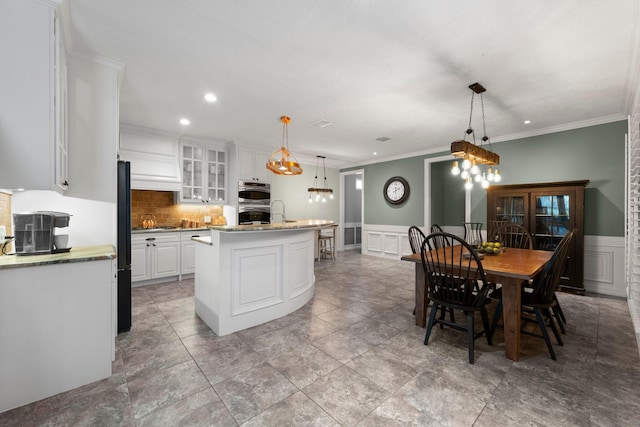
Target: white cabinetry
[[188, 250], [154, 255], [33, 107], [154, 159], [252, 165], [204, 169]]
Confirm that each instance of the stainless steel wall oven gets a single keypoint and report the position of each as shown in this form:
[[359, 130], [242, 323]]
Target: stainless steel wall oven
[[254, 214], [254, 193]]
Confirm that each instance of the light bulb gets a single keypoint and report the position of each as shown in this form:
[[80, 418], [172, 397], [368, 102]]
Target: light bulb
[[331, 196], [490, 175], [477, 178], [497, 176], [310, 199], [317, 197], [475, 170], [468, 185], [485, 182], [466, 164], [324, 199], [455, 170], [464, 174]]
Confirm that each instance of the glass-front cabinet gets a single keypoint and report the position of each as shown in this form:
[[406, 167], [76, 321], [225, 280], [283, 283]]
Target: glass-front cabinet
[[548, 211], [203, 174]]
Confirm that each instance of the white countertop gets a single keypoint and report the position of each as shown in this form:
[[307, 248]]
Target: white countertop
[[289, 225]]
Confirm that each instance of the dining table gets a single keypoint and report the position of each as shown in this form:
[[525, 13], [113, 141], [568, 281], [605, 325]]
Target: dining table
[[511, 268]]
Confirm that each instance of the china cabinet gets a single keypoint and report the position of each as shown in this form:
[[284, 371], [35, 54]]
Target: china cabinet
[[548, 211]]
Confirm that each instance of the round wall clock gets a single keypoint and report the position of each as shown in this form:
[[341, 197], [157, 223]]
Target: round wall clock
[[396, 190]]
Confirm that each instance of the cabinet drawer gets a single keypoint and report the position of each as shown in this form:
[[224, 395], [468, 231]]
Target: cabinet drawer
[[160, 237], [186, 236]]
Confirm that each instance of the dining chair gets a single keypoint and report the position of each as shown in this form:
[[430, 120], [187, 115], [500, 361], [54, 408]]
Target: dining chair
[[416, 237], [493, 230], [515, 236], [456, 281], [539, 300]]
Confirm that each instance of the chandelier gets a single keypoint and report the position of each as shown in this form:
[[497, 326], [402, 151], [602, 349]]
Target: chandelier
[[316, 193], [281, 161], [473, 155]]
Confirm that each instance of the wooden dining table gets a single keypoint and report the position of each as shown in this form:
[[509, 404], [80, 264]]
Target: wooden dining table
[[510, 269]]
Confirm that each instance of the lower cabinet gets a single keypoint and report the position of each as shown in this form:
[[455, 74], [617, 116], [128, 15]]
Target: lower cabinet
[[188, 251], [154, 255]]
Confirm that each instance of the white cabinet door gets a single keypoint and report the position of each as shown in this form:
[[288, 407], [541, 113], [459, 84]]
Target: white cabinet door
[[188, 251], [165, 259], [204, 174], [252, 165], [140, 262]]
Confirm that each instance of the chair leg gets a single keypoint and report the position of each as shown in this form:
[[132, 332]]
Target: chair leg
[[496, 317], [470, 336], [453, 316], [552, 324], [556, 314], [543, 327], [443, 312], [555, 299], [432, 319], [485, 322]]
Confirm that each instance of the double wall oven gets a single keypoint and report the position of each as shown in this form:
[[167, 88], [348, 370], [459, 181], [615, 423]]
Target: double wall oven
[[254, 202]]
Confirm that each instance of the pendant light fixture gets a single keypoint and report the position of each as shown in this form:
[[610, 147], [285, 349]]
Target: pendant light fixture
[[473, 155], [281, 161], [318, 194]]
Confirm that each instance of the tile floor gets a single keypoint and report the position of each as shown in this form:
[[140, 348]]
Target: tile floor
[[352, 356]]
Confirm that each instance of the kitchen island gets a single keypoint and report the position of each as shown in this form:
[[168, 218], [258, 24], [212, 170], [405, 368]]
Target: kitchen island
[[247, 275]]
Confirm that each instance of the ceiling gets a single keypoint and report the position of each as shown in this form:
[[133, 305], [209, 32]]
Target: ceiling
[[373, 68]]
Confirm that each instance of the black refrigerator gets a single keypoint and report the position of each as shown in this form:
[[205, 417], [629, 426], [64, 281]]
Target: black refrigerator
[[124, 246]]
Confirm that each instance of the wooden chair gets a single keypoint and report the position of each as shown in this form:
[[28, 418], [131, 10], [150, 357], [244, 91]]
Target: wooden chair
[[540, 299], [416, 237], [515, 236], [473, 233], [455, 282]]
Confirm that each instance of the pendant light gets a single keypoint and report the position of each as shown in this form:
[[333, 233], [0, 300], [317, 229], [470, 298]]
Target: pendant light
[[281, 161], [318, 194]]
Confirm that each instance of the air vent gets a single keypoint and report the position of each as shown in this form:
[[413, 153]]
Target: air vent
[[322, 123], [383, 139]]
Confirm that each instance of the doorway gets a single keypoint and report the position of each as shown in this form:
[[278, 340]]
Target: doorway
[[351, 206]]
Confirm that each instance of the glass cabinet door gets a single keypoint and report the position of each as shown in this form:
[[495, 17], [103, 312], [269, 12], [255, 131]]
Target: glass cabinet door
[[553, 219], [192, 159], [215, 175], [511, 209]]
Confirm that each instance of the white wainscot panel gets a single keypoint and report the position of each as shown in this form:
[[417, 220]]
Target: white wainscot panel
[[258, 282], [604, 265], [405, 246], [374, 242], [391, 244], [300, 280]]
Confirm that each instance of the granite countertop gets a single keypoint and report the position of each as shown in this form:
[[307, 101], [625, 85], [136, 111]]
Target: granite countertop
[[289, 225], [165, 230], [79, 254]]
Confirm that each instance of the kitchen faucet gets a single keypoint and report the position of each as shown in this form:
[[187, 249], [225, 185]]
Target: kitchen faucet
[[281, 214]]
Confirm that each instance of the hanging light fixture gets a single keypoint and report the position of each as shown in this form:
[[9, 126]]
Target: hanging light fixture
[[281, 161], [474, 155], [316, 193]]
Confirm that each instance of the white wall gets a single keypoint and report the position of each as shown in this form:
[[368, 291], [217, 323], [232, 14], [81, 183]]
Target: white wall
[[92, 222]]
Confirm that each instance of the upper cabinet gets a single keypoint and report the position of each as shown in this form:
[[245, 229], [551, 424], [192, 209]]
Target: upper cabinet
[[154, 157], [204, 173], [252, 165], [33, 88]]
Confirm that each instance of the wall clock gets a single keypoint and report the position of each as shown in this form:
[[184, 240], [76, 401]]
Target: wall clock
[[396, 190]]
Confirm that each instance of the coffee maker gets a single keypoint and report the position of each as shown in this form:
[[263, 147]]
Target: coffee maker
[[35, 232]]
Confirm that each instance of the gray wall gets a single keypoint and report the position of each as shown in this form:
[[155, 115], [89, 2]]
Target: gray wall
[[595, 153]]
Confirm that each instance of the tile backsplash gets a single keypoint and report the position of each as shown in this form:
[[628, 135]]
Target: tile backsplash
[[167, 211]]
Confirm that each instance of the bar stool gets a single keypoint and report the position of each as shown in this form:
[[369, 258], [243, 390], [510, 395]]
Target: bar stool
[[326, 243]]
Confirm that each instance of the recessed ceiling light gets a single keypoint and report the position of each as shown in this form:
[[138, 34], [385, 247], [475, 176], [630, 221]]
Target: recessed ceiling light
[[526, 122], [210, 97], [184, 122], [375, 153]]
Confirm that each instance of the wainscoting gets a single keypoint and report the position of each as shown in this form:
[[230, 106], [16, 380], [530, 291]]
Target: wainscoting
[[603, 255]]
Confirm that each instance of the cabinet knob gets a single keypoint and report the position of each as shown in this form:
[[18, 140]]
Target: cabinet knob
[[65, 183]]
